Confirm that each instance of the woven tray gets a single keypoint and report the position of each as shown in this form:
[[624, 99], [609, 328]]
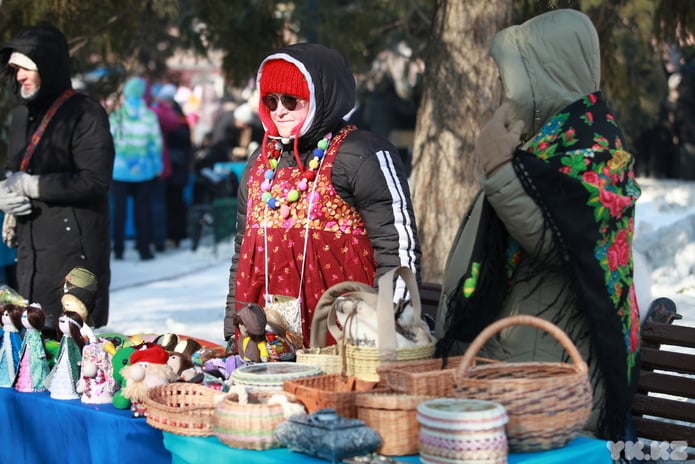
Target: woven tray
[[333, 391], [547, 403], [271, 376], [394, 417], [181, 408]]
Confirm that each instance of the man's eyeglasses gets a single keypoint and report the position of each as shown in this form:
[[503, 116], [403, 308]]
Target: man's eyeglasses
[[288, 101]]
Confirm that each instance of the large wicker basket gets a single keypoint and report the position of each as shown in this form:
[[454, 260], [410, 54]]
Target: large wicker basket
[[333, 391], [547, 403], [394, 417], [248, 421], [181, 408]]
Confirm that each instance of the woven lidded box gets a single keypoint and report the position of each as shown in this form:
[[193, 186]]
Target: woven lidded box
[[462, 430]]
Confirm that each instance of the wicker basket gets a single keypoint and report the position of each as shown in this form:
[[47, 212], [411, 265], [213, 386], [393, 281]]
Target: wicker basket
[[326, 358], [333, 391], [181, 408], [394, 417], [249, 422], [547, 403], [425, 377], [363, 361]]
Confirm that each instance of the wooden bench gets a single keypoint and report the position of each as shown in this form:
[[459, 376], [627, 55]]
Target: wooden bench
[[665, 370], [668, 368]]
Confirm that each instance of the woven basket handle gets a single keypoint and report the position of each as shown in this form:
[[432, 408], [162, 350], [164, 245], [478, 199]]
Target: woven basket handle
[[469, 356]]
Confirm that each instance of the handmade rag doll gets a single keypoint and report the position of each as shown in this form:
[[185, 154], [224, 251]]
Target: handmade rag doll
[[251, 322], [148, 368], [33, 365], [62, 379], [96, 383], [11, 344]]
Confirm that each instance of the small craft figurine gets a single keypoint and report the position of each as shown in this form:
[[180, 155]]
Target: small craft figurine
[[251, 322], [119, 360], [79, 294], [148, 368], [96, 383], [11, 344], [62, 380], [33, 365]]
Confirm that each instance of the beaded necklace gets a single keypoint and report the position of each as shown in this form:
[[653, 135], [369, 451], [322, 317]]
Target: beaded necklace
[[273, 155]]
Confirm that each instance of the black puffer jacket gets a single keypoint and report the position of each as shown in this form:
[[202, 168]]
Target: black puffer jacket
[[69, 222], [357, 175]]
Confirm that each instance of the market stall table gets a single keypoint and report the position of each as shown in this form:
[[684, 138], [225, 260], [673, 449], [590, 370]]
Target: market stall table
[[210, 450], [39, 429]]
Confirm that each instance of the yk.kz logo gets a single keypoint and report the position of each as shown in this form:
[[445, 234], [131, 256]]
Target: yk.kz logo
[[654, 451]]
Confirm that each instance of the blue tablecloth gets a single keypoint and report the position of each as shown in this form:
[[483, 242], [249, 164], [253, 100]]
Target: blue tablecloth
[[210, 450], [38, 429]]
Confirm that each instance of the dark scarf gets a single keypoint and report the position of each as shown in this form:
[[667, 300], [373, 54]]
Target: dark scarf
[[578, 172]]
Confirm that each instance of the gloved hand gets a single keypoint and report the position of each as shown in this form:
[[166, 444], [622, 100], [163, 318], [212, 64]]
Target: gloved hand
[[24, 184], [12, 202], [498, 139]]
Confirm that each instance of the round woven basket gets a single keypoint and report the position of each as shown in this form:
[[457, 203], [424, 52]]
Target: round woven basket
[[181, 408], [547, 403], [251, 424], [394, 417]]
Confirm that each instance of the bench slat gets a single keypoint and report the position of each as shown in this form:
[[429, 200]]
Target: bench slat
[[663, 431], [677, 335], [668, 384], [668, 360], [663, 407]]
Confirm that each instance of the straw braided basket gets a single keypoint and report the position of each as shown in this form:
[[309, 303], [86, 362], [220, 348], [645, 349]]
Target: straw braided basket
[[547, 402], [394, 417], [325, 358], [249, 422], [181, 408], [333, 391]]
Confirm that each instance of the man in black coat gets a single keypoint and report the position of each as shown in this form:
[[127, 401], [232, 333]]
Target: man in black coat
[[56, 189]]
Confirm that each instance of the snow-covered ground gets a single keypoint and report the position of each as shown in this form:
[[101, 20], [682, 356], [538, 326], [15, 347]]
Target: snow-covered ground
[[183, 291]]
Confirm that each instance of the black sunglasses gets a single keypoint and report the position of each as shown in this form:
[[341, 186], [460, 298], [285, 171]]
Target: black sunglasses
[[288, 101]]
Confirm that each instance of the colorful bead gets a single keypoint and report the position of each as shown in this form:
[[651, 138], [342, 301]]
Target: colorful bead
[[302, 186], [292, 195]]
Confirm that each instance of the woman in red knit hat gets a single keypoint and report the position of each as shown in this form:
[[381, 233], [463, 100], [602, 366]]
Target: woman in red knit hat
[[321, 201]]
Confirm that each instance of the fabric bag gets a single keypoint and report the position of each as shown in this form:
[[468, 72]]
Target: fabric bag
[[371, 329]]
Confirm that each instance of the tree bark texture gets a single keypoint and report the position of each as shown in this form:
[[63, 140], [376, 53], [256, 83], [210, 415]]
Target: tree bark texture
[[461, 90]]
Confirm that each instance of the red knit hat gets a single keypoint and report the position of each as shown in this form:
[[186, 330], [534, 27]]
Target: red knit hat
[[282, 77], [154, 354]]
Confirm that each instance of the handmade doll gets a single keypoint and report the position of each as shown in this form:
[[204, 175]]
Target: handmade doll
[[148, 368], [62, 380], [96, 383], [120, 359], [11, 344], [251, 321], [33, 365], [79, 293]]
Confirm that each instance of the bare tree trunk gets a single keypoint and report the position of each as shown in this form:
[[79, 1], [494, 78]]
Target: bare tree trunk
[[461, 89]]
